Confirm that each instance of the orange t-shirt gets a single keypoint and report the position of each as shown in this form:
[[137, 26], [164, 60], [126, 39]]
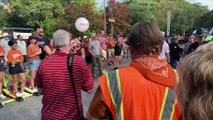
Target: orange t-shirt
[[1, 51], [32, 49], [14, 55], [111, 43]]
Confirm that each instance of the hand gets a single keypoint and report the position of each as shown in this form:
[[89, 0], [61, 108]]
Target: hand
[[39, 52], [13, 63]]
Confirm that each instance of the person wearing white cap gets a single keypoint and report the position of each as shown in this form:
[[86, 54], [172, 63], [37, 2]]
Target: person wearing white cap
[[4, 43]]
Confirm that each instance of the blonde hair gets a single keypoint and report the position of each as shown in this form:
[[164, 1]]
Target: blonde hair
[[195, 89]]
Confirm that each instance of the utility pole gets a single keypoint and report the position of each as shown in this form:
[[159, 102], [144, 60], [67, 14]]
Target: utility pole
[[168, 22], [105, 29]]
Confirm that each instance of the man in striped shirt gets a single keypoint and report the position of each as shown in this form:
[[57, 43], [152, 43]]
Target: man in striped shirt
[[53, 81]]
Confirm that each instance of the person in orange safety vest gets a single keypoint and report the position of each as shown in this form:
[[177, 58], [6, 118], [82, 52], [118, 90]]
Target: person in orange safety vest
[[142, 91]]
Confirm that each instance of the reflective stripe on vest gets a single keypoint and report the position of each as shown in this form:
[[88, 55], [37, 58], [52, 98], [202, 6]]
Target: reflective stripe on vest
[[168, 105], [114, 86]]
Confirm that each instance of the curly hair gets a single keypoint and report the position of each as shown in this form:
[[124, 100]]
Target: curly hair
[[145, 39], [195, 89]]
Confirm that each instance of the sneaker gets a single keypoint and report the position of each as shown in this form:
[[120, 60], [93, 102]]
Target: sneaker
[[23, 94], [104, 71], [18, 94], [115, 68], [2, 96], [35, 90]]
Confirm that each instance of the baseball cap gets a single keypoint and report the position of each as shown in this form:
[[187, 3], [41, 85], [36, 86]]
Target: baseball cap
[[199, 32], [5, 35]]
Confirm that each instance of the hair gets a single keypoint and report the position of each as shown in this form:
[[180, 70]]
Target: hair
[[195, 89], [47, 42], [18, 35], [29, 39], [145, 38], [61, 38]]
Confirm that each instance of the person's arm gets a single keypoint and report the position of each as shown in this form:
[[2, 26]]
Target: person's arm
[[166, 47], [47, 50], [167, 57], [97, 108], [87, 78], [2, 52], [89, 49]]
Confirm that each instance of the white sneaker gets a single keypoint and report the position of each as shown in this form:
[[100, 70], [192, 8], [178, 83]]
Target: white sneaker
[[18, 94], [2, 96], [23, 94], [104, 71], [35, 90]]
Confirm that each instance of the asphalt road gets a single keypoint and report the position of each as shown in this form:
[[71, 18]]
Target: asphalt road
[[31, 107]]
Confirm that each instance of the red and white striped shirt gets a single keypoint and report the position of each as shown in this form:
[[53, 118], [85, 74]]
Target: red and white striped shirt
[[58, 94]]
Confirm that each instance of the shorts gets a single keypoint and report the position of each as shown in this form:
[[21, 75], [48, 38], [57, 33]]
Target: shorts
[[25, 58], [111, 52], [2, 68], [88, 59], [34, 64], [118, 51], [15, 69], [104, 54]]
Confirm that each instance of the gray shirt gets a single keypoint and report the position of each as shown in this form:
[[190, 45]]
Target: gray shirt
[[6, 47], [94, 46], [22, 46]]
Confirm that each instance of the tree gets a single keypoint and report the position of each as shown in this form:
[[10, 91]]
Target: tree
[[186, 15], [74, 11], [143, 10], [3, 18], [31, 13], [118, 11]]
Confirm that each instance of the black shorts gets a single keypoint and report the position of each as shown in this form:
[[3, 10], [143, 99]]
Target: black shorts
[[15, 69], [25, 58], [118, 51], [88, 59], [2, 65]]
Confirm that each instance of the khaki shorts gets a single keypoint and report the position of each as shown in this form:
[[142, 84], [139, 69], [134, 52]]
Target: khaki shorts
[[111, 52], [104, 54]]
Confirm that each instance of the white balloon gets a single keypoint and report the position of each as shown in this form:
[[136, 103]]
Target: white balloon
[[82, 24]]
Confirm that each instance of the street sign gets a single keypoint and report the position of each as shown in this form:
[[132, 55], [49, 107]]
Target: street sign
[[111, 20]]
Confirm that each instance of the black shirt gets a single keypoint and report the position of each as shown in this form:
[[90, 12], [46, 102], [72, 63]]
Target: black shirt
[[194, 46], [175, 51]]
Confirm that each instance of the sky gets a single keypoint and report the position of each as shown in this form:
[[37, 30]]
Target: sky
[[209, 3]]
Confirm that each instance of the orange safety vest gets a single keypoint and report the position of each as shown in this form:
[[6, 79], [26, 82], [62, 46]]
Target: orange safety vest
[[136, 98]]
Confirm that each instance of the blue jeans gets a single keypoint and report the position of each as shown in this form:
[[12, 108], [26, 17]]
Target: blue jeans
[[34, 64]]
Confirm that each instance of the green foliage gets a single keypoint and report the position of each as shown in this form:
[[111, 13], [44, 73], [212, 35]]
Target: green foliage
[[143, 10], [74, 11], [184, 15], [31, 12], [49, 25], [3, 18]]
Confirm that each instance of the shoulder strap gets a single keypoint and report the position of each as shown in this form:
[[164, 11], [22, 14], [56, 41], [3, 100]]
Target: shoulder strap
[[70, 58]]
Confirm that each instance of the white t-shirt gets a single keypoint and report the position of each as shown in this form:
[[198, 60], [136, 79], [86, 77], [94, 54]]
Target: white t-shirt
[[22, 47], [165, 49]]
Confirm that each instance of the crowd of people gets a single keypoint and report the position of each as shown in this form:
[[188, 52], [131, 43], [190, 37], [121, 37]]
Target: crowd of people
[[165, 79]]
